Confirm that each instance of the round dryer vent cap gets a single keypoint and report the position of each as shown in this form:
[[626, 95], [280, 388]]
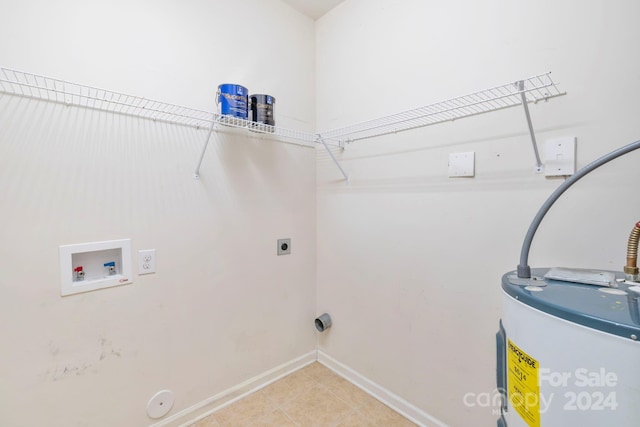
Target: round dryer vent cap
[[160, 404]]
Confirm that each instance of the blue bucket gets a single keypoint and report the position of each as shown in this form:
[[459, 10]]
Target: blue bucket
[[233, 100]]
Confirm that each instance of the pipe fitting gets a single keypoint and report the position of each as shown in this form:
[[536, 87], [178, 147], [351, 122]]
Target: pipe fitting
[[323, 322], [631, 268]]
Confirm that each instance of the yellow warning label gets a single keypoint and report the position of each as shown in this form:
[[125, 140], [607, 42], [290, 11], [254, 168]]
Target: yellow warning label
[[523, 389]]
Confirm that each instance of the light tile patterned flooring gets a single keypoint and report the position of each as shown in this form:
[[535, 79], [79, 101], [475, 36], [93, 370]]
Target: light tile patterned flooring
[[313, 396]]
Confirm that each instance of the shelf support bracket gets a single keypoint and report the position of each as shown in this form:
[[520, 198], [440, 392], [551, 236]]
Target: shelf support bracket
[[344, 174], [525, 105], [196, 174]]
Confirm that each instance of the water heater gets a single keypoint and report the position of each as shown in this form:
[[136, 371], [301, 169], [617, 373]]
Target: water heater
[[568, 344], [568, 352]]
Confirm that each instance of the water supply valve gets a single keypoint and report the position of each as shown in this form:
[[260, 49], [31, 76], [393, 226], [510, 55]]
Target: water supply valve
[[111, 266], [79, 273]]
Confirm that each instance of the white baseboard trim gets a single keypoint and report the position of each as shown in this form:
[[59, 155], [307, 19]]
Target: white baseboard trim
[[203, 409], [395, 402]]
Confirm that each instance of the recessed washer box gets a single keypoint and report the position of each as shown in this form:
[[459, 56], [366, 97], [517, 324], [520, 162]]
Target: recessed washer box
[[90, 266]]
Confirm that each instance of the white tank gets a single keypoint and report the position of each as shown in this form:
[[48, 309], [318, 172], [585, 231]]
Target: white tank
[[568, 353]]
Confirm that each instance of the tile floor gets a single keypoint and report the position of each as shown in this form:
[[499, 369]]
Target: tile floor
[[313, 396]]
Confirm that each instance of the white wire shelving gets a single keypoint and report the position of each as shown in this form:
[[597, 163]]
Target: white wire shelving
[[535, 89], [522, 92], [34, 86], [72, 94], [49, 89]]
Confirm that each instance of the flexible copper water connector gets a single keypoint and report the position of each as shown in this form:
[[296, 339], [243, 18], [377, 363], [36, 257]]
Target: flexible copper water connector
[[632, 252]]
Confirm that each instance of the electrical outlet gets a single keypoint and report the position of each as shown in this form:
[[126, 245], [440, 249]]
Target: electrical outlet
[[146, 261], [284, 246]]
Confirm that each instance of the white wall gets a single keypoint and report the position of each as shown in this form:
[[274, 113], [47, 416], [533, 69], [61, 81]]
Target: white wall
[[410, 261], [222, 307]]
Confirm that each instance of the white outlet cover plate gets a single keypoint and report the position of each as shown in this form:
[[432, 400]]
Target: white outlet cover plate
[[146, 261], [462, 164]]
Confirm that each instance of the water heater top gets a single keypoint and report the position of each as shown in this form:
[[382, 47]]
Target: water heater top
[[611, 309]]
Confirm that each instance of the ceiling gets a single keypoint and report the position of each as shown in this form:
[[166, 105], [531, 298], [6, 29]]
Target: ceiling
[[314, 9]]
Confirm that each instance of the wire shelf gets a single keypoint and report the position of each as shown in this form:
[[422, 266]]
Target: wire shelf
[[267, 131], [535, 89], [521, 92], [43, 88]]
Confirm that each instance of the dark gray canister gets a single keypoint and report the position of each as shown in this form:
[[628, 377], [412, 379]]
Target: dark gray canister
[[263, 109]]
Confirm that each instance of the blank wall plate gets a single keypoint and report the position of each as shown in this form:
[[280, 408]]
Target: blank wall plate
[[560, 156], [462, 164]]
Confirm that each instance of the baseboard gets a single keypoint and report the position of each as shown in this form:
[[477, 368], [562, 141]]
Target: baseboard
[[395, 402], [203, 409]]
